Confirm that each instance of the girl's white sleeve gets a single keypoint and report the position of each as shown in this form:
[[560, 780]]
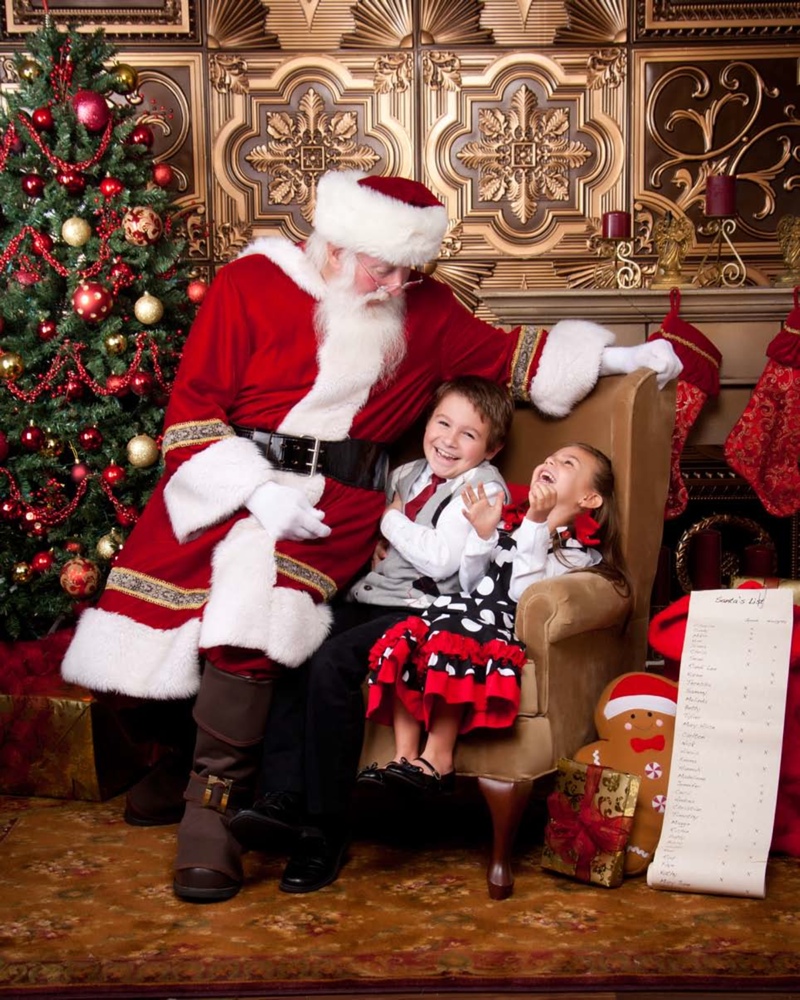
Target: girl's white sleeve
[[475, 559], [533, 561], [434, 552]]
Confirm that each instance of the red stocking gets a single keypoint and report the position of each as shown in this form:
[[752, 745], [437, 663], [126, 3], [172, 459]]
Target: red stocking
[[698, 380], [764, 445]]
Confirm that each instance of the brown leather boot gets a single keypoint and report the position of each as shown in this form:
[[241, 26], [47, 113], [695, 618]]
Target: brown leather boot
[[231, 714]]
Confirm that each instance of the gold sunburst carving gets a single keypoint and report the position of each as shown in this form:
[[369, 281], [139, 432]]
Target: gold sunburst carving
[[237, 24], [524, 154], [389, 24], [595, 22], [306, 145]]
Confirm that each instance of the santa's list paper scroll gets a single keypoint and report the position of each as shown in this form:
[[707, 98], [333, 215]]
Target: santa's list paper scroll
[[727, 751]]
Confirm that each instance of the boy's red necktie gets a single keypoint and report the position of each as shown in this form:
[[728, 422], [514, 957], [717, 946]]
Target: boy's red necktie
[[413, 507]]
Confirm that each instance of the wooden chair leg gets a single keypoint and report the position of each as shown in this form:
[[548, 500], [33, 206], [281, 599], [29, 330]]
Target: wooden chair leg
[[506, 801]]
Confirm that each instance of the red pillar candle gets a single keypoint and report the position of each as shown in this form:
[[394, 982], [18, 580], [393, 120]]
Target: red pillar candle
[[616, 225], [759, 560], [720, 195], [706, 560]]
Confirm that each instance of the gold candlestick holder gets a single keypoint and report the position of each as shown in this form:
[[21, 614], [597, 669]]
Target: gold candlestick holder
[[718, 269], [673, 238], [620, 270]]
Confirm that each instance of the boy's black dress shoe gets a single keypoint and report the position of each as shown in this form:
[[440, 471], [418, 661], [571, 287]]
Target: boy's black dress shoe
[[274, 812], [315, 862]]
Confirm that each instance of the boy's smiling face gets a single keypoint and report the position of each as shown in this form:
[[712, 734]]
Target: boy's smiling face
[[456, 437]]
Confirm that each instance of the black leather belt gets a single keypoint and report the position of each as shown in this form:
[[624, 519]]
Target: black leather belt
[[353, 462]]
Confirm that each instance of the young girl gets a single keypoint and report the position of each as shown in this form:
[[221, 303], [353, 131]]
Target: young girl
[[457, 667]]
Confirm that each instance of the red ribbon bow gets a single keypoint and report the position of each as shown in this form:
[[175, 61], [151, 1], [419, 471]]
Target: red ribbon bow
[[585, 528], [577, 837], [639, 745]]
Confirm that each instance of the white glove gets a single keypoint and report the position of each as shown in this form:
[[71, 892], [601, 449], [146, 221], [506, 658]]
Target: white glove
[[656, 354], [286, 513]]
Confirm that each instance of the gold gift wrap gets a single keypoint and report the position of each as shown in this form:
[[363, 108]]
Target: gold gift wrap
[[60, 742], [590, 815]]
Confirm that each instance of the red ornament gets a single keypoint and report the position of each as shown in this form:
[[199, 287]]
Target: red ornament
[[118, 385], [32, 185], [91, 110], [163, 174], [9, 510], [42, 243], [32, 438], [92, 301], [42, 562], [79, 577], [78, 472], [25, 278], [113, 474], [142, 226], [142, 135], [73, 389], [127, 516], [74, 547], [110, 187], [4, 449], [196, 291], [46, 329], [142, 383], [121, 273], [72, 180], [90, 439], [42, 119]]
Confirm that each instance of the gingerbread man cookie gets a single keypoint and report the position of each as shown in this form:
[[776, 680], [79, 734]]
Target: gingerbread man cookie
[[635, 719]]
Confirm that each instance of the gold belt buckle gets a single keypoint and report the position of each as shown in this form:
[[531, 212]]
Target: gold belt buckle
[[212, 781]]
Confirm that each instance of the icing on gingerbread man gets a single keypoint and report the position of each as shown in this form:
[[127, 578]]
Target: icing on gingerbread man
[[635, 719]]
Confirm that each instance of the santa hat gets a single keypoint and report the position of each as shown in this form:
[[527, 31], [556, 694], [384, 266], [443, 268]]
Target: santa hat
[[698, 380], [638, 692], [764, 445], [393, 218]]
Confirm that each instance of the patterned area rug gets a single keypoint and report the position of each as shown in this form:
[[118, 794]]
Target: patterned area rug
[[86, 910]]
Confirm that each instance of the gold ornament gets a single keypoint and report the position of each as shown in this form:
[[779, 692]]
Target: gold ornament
[[76, 231], [126, 79], [52, 446], [109, 545], [79, 577], [11, 366], [148, 309], [116, 343], [21, 572], [142, 451], [29, 69]]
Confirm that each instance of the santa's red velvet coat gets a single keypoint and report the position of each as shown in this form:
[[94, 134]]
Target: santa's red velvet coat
[[198, 571]]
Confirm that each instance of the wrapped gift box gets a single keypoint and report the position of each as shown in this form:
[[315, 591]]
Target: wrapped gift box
[[590, 814], [56, 739]]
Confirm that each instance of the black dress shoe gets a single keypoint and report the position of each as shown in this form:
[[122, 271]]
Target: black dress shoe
[[371, 775], [315, 863], [274, 813], [412, 777]]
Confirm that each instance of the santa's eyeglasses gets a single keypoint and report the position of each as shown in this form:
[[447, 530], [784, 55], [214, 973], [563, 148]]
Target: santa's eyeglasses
[[381, 285]]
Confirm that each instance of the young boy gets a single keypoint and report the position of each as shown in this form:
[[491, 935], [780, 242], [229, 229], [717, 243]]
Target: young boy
[[316, 725]]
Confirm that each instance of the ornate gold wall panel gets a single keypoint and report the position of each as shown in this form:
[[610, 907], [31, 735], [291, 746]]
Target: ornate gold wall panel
[[732, 110], [170, 19], [721, 21]]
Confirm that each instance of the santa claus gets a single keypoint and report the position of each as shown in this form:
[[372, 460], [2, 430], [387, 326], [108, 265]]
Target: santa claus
[[303, 364]]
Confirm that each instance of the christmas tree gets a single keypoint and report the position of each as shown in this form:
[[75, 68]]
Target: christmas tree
[[95, 303]]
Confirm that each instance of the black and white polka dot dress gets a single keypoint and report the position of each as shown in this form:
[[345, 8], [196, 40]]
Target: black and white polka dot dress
[[461, 650]]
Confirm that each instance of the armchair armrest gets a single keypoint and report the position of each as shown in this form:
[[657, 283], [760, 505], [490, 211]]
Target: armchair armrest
[[569, 605]]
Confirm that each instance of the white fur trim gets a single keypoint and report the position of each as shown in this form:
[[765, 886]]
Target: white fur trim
[[361, 219], [569, 365], [213, 484], [111, 652], [292, 260], [636, 703], [246, 609]]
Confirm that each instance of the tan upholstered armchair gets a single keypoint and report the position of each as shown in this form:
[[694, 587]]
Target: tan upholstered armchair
[[579, 631]]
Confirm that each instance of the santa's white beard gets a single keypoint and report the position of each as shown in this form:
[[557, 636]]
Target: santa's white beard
[[367, 331]]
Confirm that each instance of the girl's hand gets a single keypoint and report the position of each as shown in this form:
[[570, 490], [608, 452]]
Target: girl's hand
[[380, 552], [542, 498], [481, 512]]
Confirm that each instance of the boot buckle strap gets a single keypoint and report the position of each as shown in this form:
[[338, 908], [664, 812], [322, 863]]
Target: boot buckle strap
[[217, 792]]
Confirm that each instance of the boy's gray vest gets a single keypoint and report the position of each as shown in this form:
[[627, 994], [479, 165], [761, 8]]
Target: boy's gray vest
[[395, 582]]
